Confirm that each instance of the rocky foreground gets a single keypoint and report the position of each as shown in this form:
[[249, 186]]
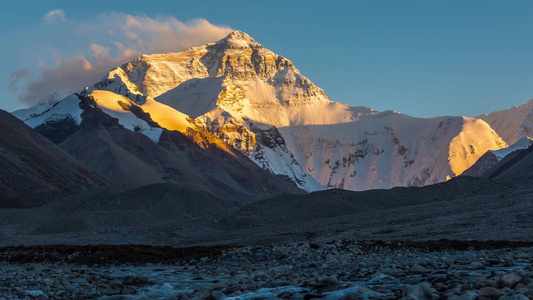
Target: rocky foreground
[[337, 270]]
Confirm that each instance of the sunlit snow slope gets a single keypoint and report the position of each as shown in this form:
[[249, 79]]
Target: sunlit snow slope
[[259, 103]]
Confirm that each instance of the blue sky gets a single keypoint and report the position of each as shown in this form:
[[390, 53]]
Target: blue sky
[[422, 58]]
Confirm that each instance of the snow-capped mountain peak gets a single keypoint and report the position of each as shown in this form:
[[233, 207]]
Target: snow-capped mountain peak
[[258, 102], [238, 39], [50, 99]]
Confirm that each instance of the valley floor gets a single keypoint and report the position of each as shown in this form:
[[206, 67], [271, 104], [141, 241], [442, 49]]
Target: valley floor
[[460, 209], [290, 247]]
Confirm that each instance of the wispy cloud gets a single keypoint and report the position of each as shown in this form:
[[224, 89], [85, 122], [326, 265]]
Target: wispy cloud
[[54, 16], [17, 76], [107, 41]]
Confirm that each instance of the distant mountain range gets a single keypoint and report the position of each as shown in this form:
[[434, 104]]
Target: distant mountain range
[[239, 121]]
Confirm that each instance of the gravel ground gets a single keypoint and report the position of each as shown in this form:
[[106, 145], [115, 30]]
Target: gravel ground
[[336, 270]]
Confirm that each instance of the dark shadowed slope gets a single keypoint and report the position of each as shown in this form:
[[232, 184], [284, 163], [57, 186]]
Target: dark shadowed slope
[[517, 163], [516, 154], [462, 208], [129, 159], [334, 203], [33, 169], [168, 214], [158, 213], [482, 165]]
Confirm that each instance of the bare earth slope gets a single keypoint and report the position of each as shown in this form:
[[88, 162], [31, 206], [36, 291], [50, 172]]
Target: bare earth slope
[[517, 163], [155, 212], [33, 169], [462, 208]]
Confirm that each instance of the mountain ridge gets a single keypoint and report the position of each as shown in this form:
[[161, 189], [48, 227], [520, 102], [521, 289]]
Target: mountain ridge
[[34, 170], [258, 103], [512, 124]]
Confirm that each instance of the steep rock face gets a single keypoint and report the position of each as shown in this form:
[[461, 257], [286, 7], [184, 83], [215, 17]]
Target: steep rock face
[[512, 124], [243, 95], [33, 169]]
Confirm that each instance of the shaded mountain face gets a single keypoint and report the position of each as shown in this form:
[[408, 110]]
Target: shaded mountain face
[[33, 169], [490, 159], [515, 164], [129, 159], [239, 97], [482, 165]]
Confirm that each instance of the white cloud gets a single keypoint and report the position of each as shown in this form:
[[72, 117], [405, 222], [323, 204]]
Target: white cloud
[[53, 16], [106, 42]]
